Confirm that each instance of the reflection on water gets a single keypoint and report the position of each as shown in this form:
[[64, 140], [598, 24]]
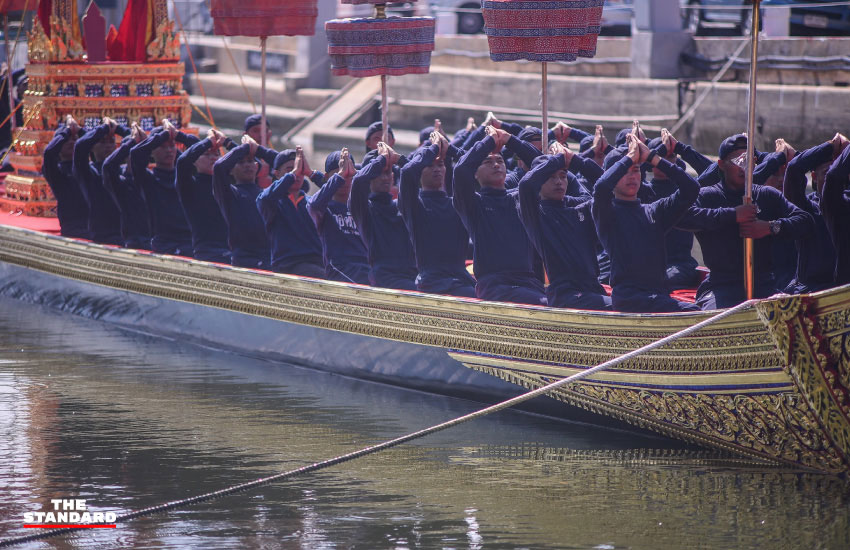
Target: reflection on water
[[127, 421]]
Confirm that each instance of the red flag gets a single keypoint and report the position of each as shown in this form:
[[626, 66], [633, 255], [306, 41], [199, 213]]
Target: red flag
[[134, 34], [45, 8]]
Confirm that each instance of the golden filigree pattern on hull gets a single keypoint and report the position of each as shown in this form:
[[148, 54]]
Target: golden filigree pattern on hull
[[775, 427], [780, 426], [818, 372]]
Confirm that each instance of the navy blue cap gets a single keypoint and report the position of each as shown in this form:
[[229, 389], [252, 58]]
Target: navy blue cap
[[332, 160], [543, 159], [377, 127], [585, 144], [254, 120], [530, 133], [738, 141], [368, 157], [425, 134], [371, 155], [611, 158], [621, 136], [283, 157]]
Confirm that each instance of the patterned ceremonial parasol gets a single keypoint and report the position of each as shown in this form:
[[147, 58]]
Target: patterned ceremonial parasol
[[380, 45], [264, 18], [544, 31]]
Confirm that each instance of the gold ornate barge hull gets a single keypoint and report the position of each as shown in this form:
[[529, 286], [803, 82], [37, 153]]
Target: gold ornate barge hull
[[770, 384]]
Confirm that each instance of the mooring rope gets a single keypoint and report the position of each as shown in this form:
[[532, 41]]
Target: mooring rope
[[173, 505]]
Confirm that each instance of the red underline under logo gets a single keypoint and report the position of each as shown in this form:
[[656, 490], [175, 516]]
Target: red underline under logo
[[69, 525]]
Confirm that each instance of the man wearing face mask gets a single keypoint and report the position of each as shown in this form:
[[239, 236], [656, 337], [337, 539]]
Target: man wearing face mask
[[104, 220], [119, 183], [169, 228], [561, 228], [71, 207], [440, 240], [633, 232], [721, 220], [235, 189], [391, 260], [503, 255], [194, 187]]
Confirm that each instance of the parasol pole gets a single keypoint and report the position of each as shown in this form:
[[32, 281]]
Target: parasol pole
[[545, 105], [264, 141], [751, 125], [381, 13], [385, 127], [8, 68]]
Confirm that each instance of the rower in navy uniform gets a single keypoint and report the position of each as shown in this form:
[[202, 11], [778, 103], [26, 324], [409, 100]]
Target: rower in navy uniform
[[503, 255], [720, 219], [561, 228], [71, 207], [104, 220], [440, 240], [295, 245], [388, 245], [169, 229], [633, 233], [119, 183], [235, 190], [681, 265], [254, 129], [343, 251], [195, 189], [836, 210], [815, 255]]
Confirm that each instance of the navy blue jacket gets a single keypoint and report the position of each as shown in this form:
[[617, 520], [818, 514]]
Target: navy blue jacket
[[342, 248], [104, 219], [633, 233], [71, 206], [170, 230], [440, 241], [382, 229], [696, 160], [291, 231], [118, 181], [209, 230], [816, 254], [501, 245], [246, 232], [562, 231], [835, 206], [714, 220]]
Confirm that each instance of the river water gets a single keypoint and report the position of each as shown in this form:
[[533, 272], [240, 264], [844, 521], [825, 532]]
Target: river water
[[126, 421]]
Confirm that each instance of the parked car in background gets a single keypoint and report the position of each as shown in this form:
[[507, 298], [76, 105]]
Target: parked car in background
[[700, 15], [704, 16], [616, 15], [820, 20]]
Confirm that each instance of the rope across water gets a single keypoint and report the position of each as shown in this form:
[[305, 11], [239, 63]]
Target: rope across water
[[173, 505]]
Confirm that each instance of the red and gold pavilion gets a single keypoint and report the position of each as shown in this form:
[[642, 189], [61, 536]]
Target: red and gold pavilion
[[130, 74]]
